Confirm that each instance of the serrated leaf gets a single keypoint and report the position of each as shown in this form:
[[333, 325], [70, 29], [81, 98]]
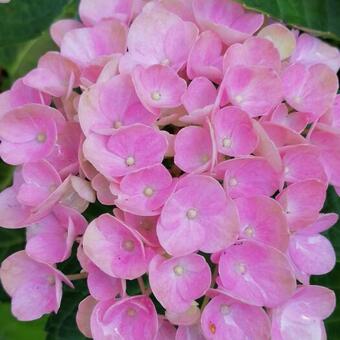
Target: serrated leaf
[[320, 17]]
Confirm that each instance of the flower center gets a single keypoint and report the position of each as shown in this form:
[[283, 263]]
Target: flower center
[[224, 309], [178, 270], [51, 280], [241, 268], [239, 98], [130, 161], [249, 231], [148, 192], [226, 142], [155, 95], [191, 213], [131, 312], [117, 124], [129, 245], [165, 62], [41, 137], [233, 181]]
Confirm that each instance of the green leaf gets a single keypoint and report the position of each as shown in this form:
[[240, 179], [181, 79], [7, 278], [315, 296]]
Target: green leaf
[[63, 325], [320, 17], [23, 20], [12, 329], [19, 54], [11, 240], [6, 172]]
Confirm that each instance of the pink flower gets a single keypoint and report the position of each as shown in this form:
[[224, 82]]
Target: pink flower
[[154, 37], [303, 314], [145, 226], [198, 210], [158, 87], [115, 248], [129, 318], [225, 317], [84, 45], [90, 13], [193, 149], [310, 89], [178, 281], [129, 149], [257, 274], [50, 239], [237, 182], [263, 219], [311, 50], [253, 52], [83, 315], [198, 100], [245, 84], [61, 27], [96, 113], [282, 38], [35, 288], [55, 75], [145, 191], [205, 58], [22, 141], [227, 18], [302, 162], [234, 132], [302, 202]]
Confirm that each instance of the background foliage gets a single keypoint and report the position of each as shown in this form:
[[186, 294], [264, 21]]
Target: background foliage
[[24, 38]]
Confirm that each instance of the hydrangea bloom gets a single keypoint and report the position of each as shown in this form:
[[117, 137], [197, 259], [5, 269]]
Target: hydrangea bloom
[[204, 140]]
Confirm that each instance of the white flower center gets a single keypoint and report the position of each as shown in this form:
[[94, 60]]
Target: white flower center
[[241, 268], [178, 270], [224, 309], [51, 280], [165, 62], [130, 161], [131, 312], [191, 213], [117, 124], [148, 192], [233, 181], [129, 245], [226, 142], [155, 95], [249, 231], [41, 137], [239, 98]]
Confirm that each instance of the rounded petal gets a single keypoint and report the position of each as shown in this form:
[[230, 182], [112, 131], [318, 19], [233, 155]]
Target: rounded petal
[[178, 281], [256, 274], [234, 132], [224, 317]]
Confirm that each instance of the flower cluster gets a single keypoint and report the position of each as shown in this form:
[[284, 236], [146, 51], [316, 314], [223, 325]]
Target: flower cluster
[[213, 137]]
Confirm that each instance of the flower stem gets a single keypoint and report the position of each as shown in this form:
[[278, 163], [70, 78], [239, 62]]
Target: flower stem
[[141, 285], [80, 276]]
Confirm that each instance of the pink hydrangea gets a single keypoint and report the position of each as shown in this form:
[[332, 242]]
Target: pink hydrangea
[[185, 149]]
